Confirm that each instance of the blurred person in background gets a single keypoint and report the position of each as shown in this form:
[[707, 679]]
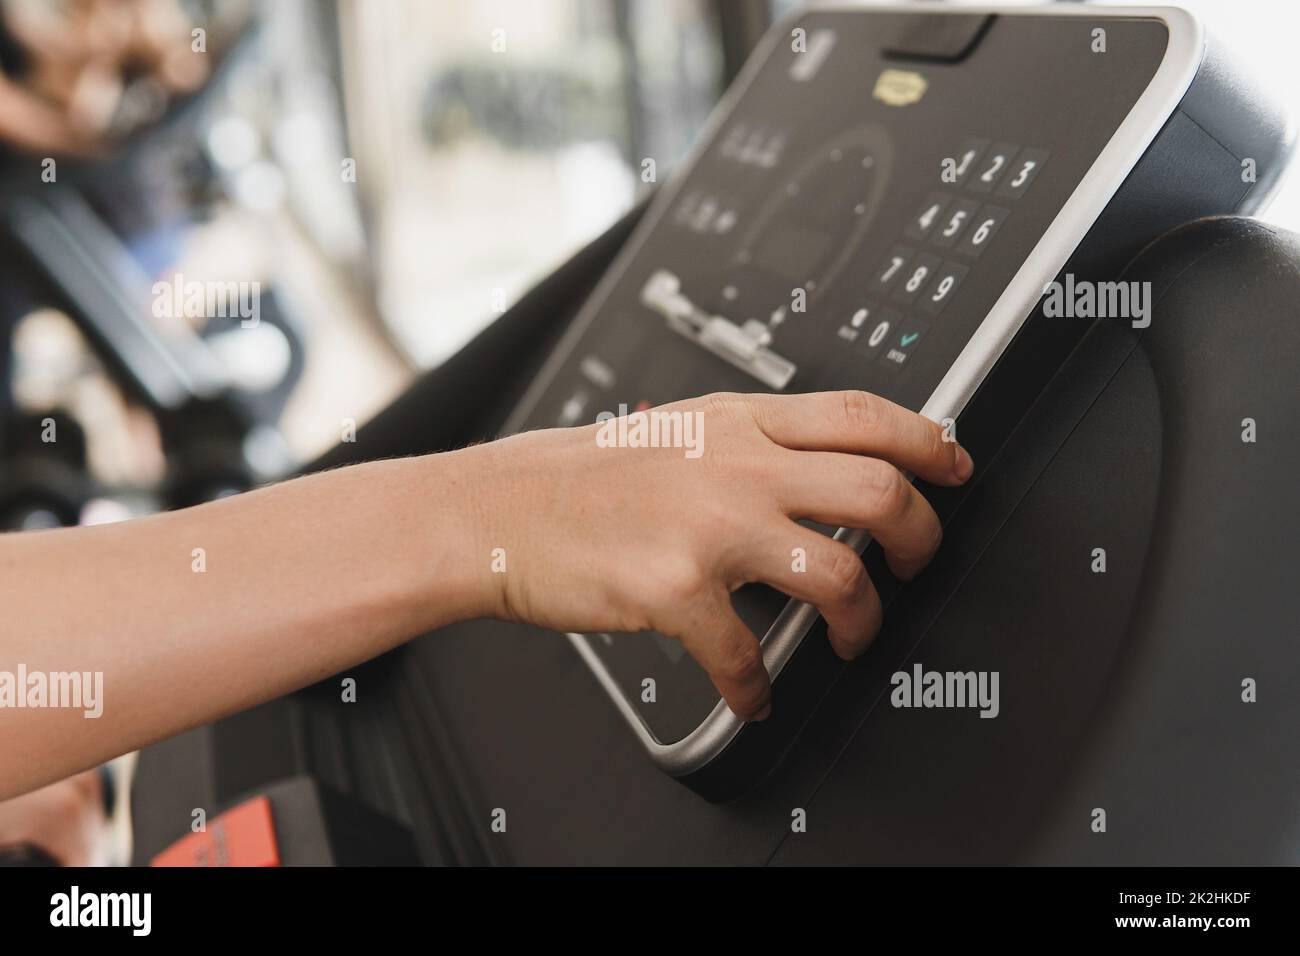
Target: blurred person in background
[[76, 77]]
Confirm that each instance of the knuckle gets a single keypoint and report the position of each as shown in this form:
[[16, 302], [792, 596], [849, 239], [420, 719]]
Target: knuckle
[[895, 493], [741, 662], [722, 403], [884, 486], [861, 410], [682, 583], [846, 576]]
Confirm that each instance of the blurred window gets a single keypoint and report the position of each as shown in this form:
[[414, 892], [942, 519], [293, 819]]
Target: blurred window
[[493, 138]]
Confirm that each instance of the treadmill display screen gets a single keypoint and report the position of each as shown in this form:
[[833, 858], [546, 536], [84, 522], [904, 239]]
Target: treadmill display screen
[[858, 209]]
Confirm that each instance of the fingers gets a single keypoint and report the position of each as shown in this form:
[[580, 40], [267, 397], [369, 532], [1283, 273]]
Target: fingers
[[827, 574], [854, 492], [863, 424], [730, 654]]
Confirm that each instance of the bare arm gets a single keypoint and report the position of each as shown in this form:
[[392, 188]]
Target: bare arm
[[289, 584], [198, 613]]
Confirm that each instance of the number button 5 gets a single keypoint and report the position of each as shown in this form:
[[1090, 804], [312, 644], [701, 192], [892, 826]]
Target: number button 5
[[954, 221]]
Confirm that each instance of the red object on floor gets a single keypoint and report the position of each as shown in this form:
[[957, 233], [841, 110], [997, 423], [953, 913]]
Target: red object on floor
[[242, 836]]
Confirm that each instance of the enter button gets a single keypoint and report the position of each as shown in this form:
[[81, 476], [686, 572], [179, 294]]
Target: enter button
[[905, 343]]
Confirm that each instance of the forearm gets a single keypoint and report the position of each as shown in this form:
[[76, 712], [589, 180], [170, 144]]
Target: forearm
[[198, 613]]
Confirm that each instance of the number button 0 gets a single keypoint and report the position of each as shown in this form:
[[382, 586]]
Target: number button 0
[[947, 279], [1027, 165], [893, 267], [993, 167], [885, 322], [987, 222], [929, 214], [957, 169], [917, 275], [954, 221]]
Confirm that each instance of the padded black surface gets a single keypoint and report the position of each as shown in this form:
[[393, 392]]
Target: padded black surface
[[1120, 691]]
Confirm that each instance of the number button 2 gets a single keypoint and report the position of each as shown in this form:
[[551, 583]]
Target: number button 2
[[993, 167]]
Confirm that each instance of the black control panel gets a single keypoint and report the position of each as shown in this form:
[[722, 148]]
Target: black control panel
[[857, 209]]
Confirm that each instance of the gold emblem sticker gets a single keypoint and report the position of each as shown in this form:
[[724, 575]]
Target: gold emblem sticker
[[899, 87]]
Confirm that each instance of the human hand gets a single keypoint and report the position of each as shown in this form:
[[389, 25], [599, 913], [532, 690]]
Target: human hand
[[598, 538]]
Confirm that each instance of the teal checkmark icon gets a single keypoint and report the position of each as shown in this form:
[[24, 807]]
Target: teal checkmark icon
[[909, 338]]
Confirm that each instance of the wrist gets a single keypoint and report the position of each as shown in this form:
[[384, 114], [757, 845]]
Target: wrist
[[460, 536]]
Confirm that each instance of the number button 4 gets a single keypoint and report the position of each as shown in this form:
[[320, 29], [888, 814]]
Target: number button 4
[[929, 215]]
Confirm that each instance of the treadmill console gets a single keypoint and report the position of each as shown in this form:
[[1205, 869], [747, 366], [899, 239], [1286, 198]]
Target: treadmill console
[[878, 203]]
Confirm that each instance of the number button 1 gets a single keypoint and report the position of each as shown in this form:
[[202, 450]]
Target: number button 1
[[956, 219], [987, 222], [957, 169], [893, 267], [917, 274], [1027, 165], [930, 213], [993, 167]]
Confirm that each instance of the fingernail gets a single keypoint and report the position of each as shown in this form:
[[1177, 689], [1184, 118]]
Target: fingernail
[[765, 713], [964, 466]]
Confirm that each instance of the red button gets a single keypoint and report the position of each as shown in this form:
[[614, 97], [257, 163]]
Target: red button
[[242, 836]]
